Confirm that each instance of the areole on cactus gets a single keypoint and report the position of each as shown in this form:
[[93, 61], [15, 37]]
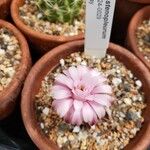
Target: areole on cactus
[[61, 10]]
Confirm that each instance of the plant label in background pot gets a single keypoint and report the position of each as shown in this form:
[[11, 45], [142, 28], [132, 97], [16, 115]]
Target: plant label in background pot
[[99, 16]]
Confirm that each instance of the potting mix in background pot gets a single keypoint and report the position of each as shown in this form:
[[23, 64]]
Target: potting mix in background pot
[[124, 11], [49, 23], [4, 8], [138, 38], [83, 102], [15, 63]]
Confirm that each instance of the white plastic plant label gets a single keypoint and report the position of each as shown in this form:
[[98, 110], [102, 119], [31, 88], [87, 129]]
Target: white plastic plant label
[[99, 17]]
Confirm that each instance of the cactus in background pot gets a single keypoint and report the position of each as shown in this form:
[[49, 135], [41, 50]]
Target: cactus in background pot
[[61, 10]]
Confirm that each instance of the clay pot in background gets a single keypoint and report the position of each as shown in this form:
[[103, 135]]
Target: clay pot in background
[[137, 19], [49, 61], [40, 41], [4, 8], [124, 11], [9, 95], [141, 1]]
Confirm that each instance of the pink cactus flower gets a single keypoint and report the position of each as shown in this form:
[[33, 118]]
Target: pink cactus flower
[[81, 95]]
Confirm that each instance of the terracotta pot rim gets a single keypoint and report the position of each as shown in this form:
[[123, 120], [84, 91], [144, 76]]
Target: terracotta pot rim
[[32, 128], [8, 94], [15, 15], [1, 2], [131, 37], [141, 1]]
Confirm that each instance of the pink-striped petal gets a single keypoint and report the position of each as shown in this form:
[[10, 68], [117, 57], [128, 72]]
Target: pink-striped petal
[[74, 73], [100, 111], [87, 113], [95, 119], [64, 80], [69, 114], [77, 117], [103, 88], [82, 70], [59, 87], [103, 99], [62, 106], [61, 94], [77, 105], [66, 72]]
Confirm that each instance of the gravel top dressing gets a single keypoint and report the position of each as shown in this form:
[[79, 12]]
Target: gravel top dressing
[[34, 18], [122, 122], [10, 57], [143, 39]]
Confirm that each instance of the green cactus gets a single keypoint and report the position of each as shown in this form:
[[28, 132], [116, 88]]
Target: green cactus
[[61, 10]]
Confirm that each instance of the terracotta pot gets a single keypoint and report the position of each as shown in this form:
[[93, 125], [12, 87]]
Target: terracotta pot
[[124, 11], [42, 42], [9, 95], [4, 8], [141, 1], [137, 19], [49, 61]]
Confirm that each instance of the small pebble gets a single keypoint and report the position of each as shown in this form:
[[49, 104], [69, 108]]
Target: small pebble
[[46, 111], [76, 129]]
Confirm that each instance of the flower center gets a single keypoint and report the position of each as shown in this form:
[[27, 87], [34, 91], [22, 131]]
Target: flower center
[[81, 87]]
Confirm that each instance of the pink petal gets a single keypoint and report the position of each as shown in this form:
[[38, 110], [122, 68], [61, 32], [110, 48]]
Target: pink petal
[[90, 97], [95, 120], [69, 114], [87, 113], [77, 118], [62, 106], [74, 73], [59, 87], [61, 94], [103, 99], [64, 80], [94, 73], [89, 82], [66, 72], [82, 70], [103, 88], [78, 94], [101, 79], [77, 105], [100, 111]]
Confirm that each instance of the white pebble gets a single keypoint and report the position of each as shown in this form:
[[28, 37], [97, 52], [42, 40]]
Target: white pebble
[[46, 111], [71, 34], [39, 15], [131, 75], [127, 101], [2, 52], [62, 62], [11, 47], [71, 137], [78, 59], [42, 125], [65, 139], [134, 98], [84, 63], [116, 81], [118, 71], [138, 83], [93, 127], [140, 99], [76, 129], [94, 134]]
